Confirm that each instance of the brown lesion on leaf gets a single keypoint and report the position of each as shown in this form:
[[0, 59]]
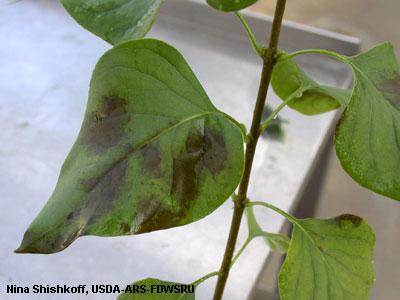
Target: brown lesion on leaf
[[216, 153], [103, 191], [152, 215], [390, 87], [205, 149], [355, 220], [104, 127], [151, 160]]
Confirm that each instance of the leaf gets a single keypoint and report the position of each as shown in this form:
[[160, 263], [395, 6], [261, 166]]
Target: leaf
[[229, 5], [328, 259], [114, 21], [290, 82], [153, 152], [276, 242], [368, 134], [150, 288]]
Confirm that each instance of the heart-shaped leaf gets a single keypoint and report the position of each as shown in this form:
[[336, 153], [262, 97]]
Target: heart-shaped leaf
[[368, 134], [152, 153], [328, 259], [114, 21], [156, 289], [230, 5], [302, 93]]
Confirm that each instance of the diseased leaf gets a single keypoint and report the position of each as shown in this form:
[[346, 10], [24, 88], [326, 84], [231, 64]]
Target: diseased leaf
[[290, 82], [152, 153], [230, 5], [328, 259], [276, 242], [114, 21], [156, 289], [368, 134]]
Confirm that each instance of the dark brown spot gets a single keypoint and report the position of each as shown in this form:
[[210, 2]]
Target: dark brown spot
[[186, 168], [216, 152], [151, 160], [70, 216], [103, 191], [390, 87], [104, 128], [204, 149], [152, 215], [349, 218]]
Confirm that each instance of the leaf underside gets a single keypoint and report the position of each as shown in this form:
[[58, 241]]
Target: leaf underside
[[153, 153], [114, 21], [328, 259], [304, 94], [170, 291], [229, 5], [368, 135]]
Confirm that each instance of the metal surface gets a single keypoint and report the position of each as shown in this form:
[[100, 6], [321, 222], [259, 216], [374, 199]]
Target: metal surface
[[46, 62]]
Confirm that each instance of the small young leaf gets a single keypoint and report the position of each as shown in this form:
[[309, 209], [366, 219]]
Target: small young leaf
[[289, 81], [328, 259], [276, 242], [114, 21], [368, 134], [156, 289], [152, 153], [230, 5]]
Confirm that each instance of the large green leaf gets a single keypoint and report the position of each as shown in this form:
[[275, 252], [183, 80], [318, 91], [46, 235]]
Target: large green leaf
[[302, 93], [230, 5], [152, 153], [114, 21], [368, 134], [329, 260], [155, 289]]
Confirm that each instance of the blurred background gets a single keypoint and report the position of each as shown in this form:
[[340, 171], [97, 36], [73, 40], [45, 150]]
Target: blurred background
[[373, 22]]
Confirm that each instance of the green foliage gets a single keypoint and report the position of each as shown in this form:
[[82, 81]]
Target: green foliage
[[302, 93], [148, 283], [230, 5], [328, 259], [276, 242], [152, 153], [114, 21], [368, 134]]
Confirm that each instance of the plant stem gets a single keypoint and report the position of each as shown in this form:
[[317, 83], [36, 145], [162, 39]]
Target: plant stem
[[314, 51], [244, 246], [254, 134], [204, 278], [274, 208], [256, 46]]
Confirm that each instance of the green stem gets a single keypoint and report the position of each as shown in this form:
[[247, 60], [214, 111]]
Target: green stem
[[314, 51], [269, 57], [204, 278], [244, 246], [274, 114], [253, 40], [292, 219]]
